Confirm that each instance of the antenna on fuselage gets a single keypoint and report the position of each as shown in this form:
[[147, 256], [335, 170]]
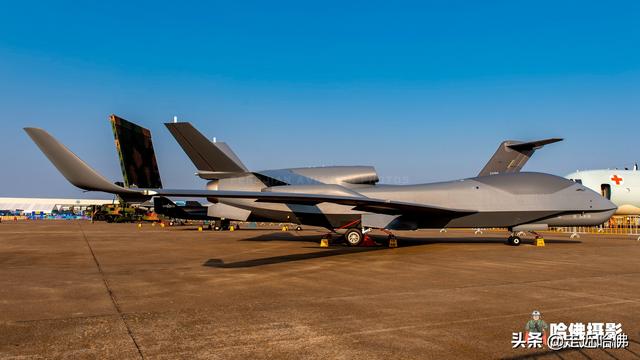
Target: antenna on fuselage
[[635, 167], [175, 119]]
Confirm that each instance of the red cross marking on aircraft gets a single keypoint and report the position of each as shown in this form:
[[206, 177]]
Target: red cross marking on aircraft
[[617, 179]]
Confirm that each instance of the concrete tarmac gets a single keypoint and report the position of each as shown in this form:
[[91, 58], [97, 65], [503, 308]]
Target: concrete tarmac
[[72, 289]]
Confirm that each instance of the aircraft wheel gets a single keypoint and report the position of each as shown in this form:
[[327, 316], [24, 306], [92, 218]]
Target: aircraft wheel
[[298, 228], [354, 237], [515, 241]]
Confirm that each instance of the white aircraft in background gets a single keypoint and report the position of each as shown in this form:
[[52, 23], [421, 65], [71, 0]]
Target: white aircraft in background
[[622, 187]]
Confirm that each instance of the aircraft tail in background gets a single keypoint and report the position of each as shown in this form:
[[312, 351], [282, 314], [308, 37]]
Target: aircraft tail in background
[[136, 154], [512, 155]]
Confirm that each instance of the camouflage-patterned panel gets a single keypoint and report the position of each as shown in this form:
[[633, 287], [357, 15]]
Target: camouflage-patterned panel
[[137, 157]]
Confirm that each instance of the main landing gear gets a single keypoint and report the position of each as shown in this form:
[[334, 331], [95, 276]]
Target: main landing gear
[[357, 237], [354, 237]]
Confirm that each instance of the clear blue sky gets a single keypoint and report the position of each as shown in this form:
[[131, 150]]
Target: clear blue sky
[[423, 91]]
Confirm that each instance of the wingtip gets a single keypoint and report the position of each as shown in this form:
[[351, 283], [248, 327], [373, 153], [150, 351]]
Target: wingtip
[[33, 130], [35, 133], [178, 123]]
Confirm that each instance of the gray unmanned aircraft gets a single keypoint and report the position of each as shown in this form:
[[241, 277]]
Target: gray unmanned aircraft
[[215, 161], [350, 199]]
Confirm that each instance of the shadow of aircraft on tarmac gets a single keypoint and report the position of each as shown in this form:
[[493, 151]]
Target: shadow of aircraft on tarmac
[[403, 241], [339, 249], [288, 258]]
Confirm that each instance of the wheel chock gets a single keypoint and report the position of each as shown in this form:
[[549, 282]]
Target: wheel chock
[[284, 228], [368, 242], [199, 228], [393, 243], [139, 225], [232, 228], [540, 242], [153, 224], [324, 243], [161, 224]]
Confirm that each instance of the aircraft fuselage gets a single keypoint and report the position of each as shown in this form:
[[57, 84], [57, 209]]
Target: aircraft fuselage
[[506, 200]]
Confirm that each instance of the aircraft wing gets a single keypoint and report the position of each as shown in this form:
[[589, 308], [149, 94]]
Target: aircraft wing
[[72, 167], [83, 176], [360, 203]]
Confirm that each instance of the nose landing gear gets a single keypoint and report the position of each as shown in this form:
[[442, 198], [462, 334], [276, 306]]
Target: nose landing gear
[[514, 240]]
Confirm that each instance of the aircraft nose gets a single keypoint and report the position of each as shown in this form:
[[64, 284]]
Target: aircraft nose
[[603, 216], [602, 203], [604, 208]]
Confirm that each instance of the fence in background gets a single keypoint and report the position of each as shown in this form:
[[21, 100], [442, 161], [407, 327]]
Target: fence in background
[[617, 225]]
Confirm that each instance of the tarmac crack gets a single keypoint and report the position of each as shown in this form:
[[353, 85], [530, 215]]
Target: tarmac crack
[[114, 300]]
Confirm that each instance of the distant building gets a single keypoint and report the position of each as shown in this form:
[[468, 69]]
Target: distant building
[[18, 206]]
